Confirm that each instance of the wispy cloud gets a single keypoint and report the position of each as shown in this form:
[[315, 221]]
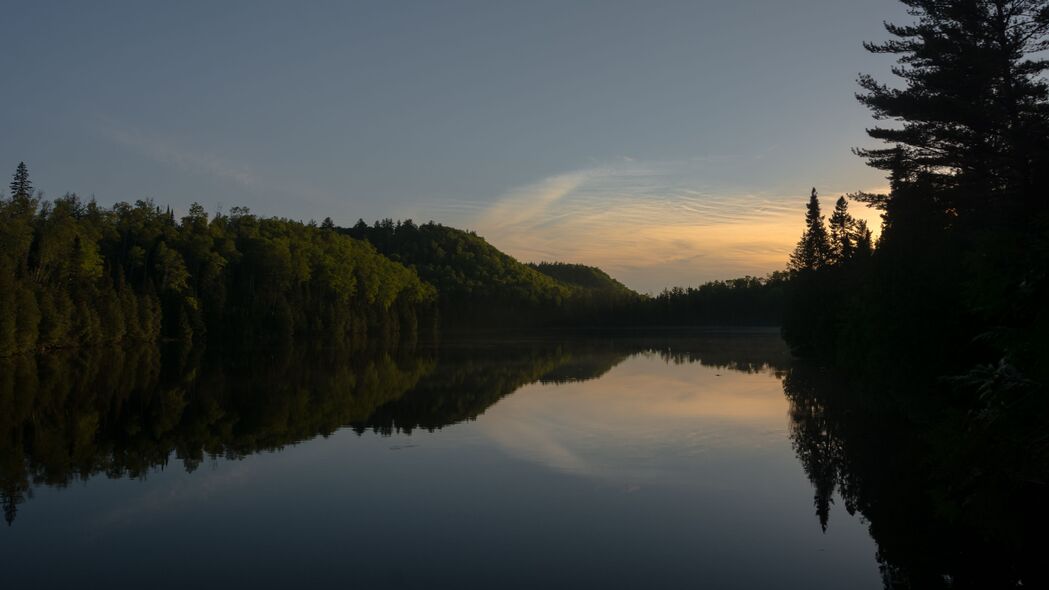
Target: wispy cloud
[[619, 428], [649, 224], [521, 208]]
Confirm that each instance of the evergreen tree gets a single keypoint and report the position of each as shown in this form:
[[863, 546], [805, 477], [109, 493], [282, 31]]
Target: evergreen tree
[[964, 236], [842, 232], [973, 111], [861, 236], [813, 251], [961, 271], [21, 187]]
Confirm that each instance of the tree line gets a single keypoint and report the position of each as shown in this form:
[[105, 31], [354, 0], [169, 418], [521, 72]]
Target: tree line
[[73, 273], [958, 282], [745, 301]]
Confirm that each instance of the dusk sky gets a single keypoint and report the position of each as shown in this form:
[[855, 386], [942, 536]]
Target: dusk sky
[[669, 143]]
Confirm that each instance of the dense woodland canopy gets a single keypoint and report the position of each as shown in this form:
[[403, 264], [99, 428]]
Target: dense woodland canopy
[[476, 283], [77, 274]]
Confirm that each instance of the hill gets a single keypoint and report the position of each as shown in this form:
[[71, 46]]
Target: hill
[[480, 286], [580, 276], [477, 285]]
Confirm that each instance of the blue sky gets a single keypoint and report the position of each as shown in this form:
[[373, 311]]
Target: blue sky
[[668, 142]]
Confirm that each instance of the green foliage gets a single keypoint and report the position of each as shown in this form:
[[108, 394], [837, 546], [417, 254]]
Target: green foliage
[[75, 274], [84, 275], [583, 277], [477, 285], [481, 287], [595, 298]]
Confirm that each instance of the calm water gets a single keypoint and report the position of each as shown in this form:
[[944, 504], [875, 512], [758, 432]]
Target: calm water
[[613, 463]]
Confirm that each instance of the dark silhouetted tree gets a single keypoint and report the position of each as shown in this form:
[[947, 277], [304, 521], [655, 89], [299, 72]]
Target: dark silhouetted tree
[[813, 250], [863, 240], [973, 111], [961, 269], [841, 232], [21, 186]]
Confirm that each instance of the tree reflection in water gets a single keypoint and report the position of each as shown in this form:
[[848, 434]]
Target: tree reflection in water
[[951, 500], [125, 412]]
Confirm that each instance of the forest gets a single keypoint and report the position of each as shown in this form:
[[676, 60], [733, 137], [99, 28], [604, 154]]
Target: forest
[[938, 335], [77, 274], [957, 284]]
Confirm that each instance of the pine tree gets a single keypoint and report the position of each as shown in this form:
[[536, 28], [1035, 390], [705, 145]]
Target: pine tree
[[841, 232], [861, 236], [964, 226], [973, 111], [21, 186], [813, 250]]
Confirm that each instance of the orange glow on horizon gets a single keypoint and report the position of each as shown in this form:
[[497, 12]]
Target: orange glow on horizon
[[653, 242]]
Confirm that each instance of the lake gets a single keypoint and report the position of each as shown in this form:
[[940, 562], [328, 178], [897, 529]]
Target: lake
[[613, 462]]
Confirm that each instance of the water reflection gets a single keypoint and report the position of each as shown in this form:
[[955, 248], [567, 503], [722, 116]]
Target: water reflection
[[126, 412], [951, 501], [608, 461], [655, 417], [688, 446]]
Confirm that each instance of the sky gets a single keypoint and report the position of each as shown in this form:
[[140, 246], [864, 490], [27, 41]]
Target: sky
[[668, 142]]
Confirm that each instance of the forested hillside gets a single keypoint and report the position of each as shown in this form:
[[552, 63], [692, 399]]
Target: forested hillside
[[480, 287], [596, 299], [581, 276], [75, 273]]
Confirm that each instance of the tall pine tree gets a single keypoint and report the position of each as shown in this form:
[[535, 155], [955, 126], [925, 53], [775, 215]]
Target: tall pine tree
[[841, 232], [962, 265], [21, 187], [973, 111], [813, 251]]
